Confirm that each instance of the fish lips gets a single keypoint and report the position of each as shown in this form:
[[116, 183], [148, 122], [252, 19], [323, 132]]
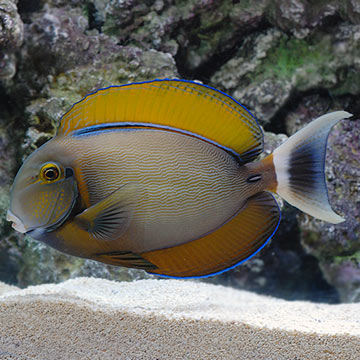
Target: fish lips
[[17, 224]]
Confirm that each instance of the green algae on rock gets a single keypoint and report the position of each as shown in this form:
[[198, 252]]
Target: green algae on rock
[[270, 67]]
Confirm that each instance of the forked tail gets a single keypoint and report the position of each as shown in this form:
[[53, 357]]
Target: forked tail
[[300, 168]]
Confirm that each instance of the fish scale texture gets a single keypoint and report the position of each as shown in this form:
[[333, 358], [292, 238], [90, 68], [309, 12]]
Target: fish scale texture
[[88, 318]]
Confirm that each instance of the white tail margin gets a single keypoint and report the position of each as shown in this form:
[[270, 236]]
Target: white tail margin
[[300, 168]]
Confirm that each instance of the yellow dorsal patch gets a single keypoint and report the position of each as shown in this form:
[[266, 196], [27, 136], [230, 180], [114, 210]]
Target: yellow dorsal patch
[[176, 104]]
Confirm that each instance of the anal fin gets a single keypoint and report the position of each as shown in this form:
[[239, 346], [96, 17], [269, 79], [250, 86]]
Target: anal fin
[[126, 259], [236, 241]]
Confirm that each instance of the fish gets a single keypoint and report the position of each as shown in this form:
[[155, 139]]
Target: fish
[[165, 176]]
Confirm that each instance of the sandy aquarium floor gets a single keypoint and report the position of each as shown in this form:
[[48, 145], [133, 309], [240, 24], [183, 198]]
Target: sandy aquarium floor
[[88, 318]]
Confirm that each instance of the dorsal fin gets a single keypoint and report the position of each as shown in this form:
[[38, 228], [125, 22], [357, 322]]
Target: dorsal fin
[[171, 104]]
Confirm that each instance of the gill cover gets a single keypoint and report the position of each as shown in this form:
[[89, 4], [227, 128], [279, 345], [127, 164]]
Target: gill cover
[[37, 203]]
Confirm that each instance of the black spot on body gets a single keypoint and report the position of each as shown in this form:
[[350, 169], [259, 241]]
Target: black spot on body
[[254, 178]]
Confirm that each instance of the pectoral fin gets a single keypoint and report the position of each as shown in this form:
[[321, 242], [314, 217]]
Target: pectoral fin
[[109, 218]]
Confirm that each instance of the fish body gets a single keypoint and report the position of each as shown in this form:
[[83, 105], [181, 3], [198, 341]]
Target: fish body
[[161, 176]]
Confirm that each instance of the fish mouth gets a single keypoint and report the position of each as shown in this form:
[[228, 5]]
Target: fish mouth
[[16, 222]]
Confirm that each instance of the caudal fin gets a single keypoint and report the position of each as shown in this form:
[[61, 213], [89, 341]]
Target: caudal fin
[[300, 168]]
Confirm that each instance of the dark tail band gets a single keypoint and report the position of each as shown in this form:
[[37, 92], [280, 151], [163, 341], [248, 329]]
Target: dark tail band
[[300, 168]]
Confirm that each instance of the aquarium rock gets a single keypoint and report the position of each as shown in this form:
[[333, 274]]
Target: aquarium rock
[[336, 247], [11, 37]]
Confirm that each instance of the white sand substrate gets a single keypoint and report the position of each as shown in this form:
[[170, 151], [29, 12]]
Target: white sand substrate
[[88, 318]]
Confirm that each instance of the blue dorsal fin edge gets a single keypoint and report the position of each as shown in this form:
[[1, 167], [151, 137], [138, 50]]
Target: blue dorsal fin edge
[[92, 130], [163, 80]]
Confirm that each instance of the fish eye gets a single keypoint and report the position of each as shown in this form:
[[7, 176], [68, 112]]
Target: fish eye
[[50, 172]]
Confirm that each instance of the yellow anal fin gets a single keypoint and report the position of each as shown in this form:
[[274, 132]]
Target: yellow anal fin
[[225, 248], [126, 259], [178, 104]]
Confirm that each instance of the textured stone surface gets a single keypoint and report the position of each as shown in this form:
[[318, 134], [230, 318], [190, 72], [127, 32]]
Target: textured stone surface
[[287, 61], [11, 36], [194, 31], [97, 319], [269, 68], [336, 247]]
